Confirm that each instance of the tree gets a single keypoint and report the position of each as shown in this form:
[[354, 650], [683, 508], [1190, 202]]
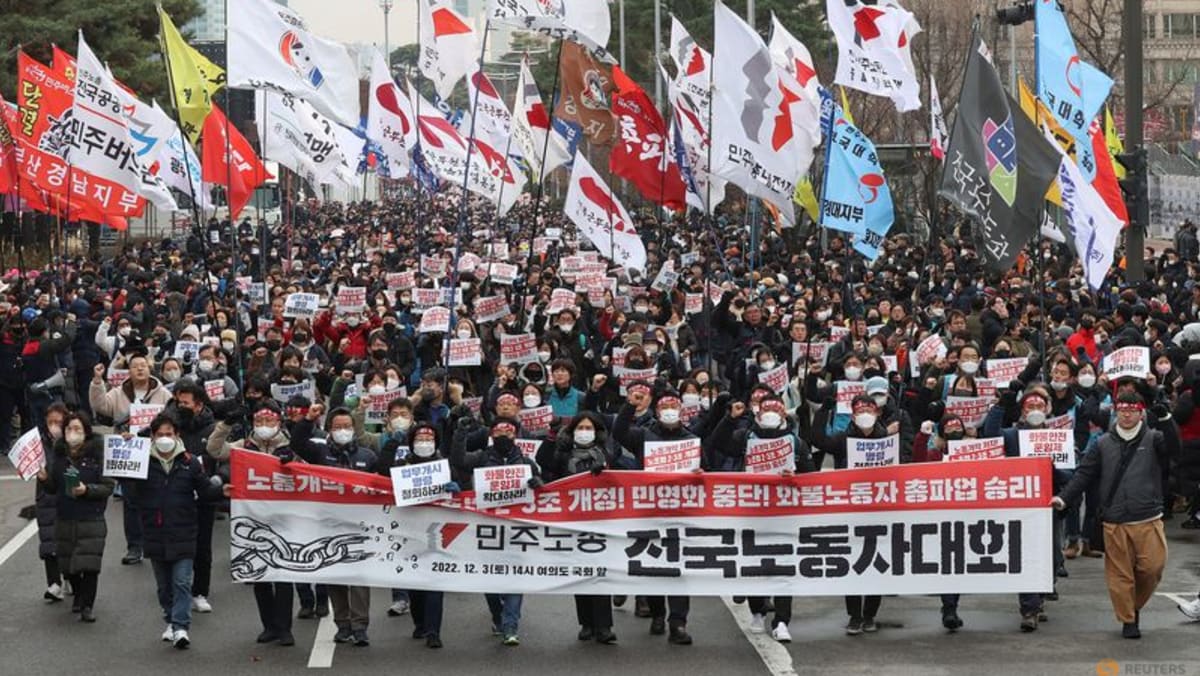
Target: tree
[[124, 33]]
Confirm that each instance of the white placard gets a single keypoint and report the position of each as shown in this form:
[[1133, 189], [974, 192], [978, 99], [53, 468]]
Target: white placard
[[989, 448], [1057, 444], [502, 486], [301, 305], [770, 456], [420, 483], [671, 456], [126, 458], [27, 455], [882, 452]]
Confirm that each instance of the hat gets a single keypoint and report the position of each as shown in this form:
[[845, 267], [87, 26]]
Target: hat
[[502, 425], [269, 409], [861, 402], [190, 330], [631, 339], [1034, 391], [877, 385]]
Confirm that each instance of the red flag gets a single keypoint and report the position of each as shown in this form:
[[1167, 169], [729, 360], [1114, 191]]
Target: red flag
[[248, 171], [1105, 181], [640, 154], [63, 63]]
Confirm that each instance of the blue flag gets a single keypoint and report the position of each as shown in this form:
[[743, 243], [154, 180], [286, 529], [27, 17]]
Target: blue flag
[[1074, 91], [856, 198]]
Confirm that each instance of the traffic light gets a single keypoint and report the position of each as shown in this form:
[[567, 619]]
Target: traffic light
[[1135, 187], [1015, 15]]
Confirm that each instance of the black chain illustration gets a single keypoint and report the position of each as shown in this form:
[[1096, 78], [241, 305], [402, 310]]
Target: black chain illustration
[[263, 548]]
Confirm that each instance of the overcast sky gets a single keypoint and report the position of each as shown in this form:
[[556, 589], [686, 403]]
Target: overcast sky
[[359, 20]]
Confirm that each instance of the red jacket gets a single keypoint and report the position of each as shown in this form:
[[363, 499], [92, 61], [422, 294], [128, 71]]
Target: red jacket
[[324, 329], [1085, 338]]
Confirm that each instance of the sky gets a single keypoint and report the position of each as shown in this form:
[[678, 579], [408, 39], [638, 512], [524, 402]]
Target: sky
[[359, 20]]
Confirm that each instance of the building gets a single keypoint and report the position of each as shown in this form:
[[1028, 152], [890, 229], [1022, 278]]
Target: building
[[1171, 34], [209, 26]]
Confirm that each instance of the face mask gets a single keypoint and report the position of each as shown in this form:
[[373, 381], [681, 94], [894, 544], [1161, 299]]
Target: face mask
[[401, 423], [767, 365], [265, 432], [874, 349], [1058, 385], [770, 420], [170, 376], [669, 416], [274, 345], [1129, 434], [228, 345], [376, 390], [880, 399], [164, 444], [969, 367], [1101, 338], [74, 439], [123, 331], [424, 449], [1035, 418], [544, 356], [207, 365], [342, 437], [640, 308], [822, 315], [585, 437], [690, 399], [1002, 354], [865, 421], [1162, 369], [405, 300], [353, 321], [55, 431], [705, 403], [463, 334], [566, 328], [1086, 380], [853, 373], [393, 384], [532, 401], [299, 340], [954, 435]]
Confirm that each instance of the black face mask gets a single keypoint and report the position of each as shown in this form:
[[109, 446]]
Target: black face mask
[[954, 436], [1002, 354], [274, 344], [504, 446], [379, 354], [300, 339]]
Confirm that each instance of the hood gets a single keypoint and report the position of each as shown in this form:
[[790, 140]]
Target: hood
[[169, 458]]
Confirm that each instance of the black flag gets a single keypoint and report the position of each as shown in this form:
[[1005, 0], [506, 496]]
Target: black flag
[[998, 166]]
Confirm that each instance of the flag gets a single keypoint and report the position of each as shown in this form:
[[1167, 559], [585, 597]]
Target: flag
[[846, 105], [1196, 120], [63, 63], [493, 121], [873, 42], [193, 78], [295, 135], [449, 48], [1113, 142], [856, 198], [8, 150], [224, 148], [586, 94], [640, 154], [391, 121], [806, 197], [998, 165], [792, 58], [1073, 90], [180, 169], [97, 140], [690, 94], [531, 126], [270, 47], [1094, 228], [937, 123], [754, 142], [599, 215], [583, 22]]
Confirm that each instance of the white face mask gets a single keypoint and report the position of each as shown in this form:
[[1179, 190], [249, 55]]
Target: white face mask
[[865, 421], [822, 315], [690, 399], [376, 390], [880, 399], [1058, 385], [770, 420], [669, 416], [853, 373], [1086, 380], [124, 331], [401, 423], [1035, 418], [585, 437], [74, 439], [352, 321], [55, 431], [164, 444], [766, 365], [424, 449], [207, 365], [463, 334], [641, 309], [342, 437], [544, 356], [566, 328], [969, 367], [532, 401], [170, 376], [265, 432], [1162, 369], [228, 345]]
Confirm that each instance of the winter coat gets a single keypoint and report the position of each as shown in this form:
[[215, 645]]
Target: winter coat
[[114, 403], [1139, 495], [79, 527], [166, 502]]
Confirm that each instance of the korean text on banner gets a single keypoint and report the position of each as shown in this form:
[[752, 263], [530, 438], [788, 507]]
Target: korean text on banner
[[672, 456], [27, 455], [503, 486], [1056, 444], [141, 415], [1127, 361], [126, 458], [301, 305], [975, 449], [421, 483], [882, 452], [770, 456], [846, 391]]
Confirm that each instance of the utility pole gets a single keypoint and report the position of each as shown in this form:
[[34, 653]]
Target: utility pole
[[1136, 183], [657, 52], [386, 6], [621, 20], [750, 14]]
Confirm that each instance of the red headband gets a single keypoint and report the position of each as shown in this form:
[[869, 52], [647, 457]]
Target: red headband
[[1130, 406], [669, 400]]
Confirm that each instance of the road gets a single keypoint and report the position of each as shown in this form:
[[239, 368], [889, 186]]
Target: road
[[41, 639]]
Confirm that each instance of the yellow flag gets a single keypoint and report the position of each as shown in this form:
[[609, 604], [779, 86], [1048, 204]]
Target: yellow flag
[[1115, 147], [846, 106], [1037, 111], [806, 197], [194, 79]]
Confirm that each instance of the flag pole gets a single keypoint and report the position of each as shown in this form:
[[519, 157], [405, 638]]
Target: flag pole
[[236, 247]]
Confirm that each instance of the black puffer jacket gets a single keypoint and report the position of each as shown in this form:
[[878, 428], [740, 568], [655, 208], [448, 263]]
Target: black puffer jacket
[[166, 502], [1139, 496], [79, 526]]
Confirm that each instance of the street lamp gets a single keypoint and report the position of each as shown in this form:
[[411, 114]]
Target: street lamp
[[386, 6]]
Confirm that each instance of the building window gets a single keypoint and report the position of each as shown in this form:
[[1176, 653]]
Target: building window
[[1148, 26], [1179, 26]]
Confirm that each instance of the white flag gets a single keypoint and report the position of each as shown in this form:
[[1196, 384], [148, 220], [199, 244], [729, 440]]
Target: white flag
[[690, 94], [531, 125], [97, 138], [179, 168], [874, 53], [391, 122], [295, 135], [937, 123], [792, 58], [449, 47], [271, 48], [584, 22], [599, 215], [149, 126], [493, 122], [754, 144], [1094, 227]]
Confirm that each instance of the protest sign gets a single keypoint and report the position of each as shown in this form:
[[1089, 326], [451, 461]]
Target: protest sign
[[671, 456], [770, 456], [215, 389], [435, 320], [491, 308], [972, 410], [117, 377], [630, 376], [1056, 444], [560, 299], [519, 348], [666, 279], [376, 413], [988, 448], [1127, 361], [776, 378], [846, 391], [420, 483], [281, 393], [301, 305], [141, 415], [434, 267], [529, 447], [503, 486], [502, 273], [465, 352], [837, 333], [187, 350], [126, 458], [930, 350], [693, 303], [536, 421], [351, 300], [1004, 371], [816, 353], [399, 281], [882, 452], [27, 455]]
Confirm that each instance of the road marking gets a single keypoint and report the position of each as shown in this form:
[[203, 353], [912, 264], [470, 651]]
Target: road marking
[[321, 656], [10, 477], [17, 541], [1177, 598], [774, 655]]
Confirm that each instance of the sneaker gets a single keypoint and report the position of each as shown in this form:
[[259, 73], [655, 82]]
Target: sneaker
[[1130, 630], [200, 604], [268, 636], [286, 639], [496, 631], [132, 556], [869, 625], [360, 638], [1029, 622], [606, 636], [54, 593], [1191, 524], [1071, 551], [679, 635], [398, 608], [586, 633], [306, 613], [343, 635], [658, 626], [1191, 609], [86, 615], [619, 601], [323, 609], [1090, 553], [780, 633], [433, 642], [168, 634], [1061, 571], [511, 640], [182, 641], [950, 619], [854, 627], [758, 624], [641, 608]]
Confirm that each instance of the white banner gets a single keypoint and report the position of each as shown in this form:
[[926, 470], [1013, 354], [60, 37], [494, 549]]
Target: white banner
[[503, 486], [27, 455], [126, 458], [421, 483], [300, 138], [873, 452], [594, 208], [1056, 444]]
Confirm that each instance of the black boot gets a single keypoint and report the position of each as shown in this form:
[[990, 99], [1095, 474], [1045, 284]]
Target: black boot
[[679, 635]]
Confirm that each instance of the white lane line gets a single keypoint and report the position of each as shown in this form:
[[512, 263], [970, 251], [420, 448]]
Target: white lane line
[[774, 655], [321, 656], [12, 546], [10, 477]]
